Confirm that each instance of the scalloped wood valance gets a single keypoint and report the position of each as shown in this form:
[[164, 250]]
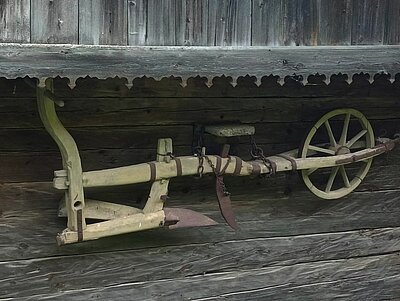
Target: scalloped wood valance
[[77, 61]]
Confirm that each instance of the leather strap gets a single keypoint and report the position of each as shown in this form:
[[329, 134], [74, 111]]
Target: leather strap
[[79, 224], [178, 166], [218, 165], [238, 166], [225, 166], [256, 169], [290, 159], [153, 171]]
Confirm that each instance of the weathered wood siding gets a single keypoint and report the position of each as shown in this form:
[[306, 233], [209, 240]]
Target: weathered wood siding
[[290, 245], [201, 22], [54, 22], [15, 21]]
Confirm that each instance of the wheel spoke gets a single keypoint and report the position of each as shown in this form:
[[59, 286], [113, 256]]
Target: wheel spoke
[[359, 144], [344, 176], [321, 150], [356, 138], [343, 137], [331, 178], [332, 139], [311, 170]]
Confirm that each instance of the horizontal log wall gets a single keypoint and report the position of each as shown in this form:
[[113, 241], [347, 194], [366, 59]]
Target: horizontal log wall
[[288, 240], [201, 22]]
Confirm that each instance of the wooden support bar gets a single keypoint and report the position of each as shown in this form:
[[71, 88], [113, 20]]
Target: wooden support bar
[[128, 224], [74, 196], [74, 61], [142, 172], [101, 210], [159, 189]]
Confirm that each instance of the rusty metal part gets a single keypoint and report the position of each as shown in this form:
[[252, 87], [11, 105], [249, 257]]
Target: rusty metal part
[[223, 196], [256, 169], [376, 150], [238, 166], [225, 150], [153, 171], [271, 165], [178, 166], [290, 159], [200, 169], [225, 203], [79, 218], [257, 153], [217, 165], [181, 218]]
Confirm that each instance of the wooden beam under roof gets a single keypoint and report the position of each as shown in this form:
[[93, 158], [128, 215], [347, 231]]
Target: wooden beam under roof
[[74, 61]]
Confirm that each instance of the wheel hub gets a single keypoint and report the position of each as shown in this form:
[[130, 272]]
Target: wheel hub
[[342, 150]]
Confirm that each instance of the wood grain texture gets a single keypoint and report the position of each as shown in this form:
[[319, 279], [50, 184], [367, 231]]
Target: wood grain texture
[[374, 277], [165, 22], [137, 22], [103, 22], [89, 138], [230, 23], [103, 112], [188, 260], [278, 235], [368, 24], [261, 213], [185, 62], [335, 22], [198, 23], [15, 21], [54, 21], [392, 25], [288, 23], [203, 23]]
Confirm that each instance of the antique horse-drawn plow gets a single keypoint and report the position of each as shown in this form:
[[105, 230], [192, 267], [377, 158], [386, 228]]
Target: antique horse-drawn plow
[[342, 141], [322, 148]]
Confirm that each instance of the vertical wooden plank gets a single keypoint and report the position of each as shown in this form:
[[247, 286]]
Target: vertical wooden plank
[[300, 23], [267, 23], [196, 31], [137, 22], [392, 28], [166, 22], [54, 21], [232, 23], [103, 22], [15, 21], [284, 23], [368, 22], [335, 19]]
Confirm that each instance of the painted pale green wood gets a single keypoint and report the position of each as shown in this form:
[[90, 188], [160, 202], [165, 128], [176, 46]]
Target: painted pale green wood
[[140, 173], [100, 210], [74, 196], [349, 186], [159, 188], [122, 225], [155, 202]]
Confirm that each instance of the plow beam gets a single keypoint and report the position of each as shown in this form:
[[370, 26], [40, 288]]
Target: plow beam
[[188, 166]]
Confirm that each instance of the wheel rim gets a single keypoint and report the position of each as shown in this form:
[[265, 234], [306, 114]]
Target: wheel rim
[[352, 131]]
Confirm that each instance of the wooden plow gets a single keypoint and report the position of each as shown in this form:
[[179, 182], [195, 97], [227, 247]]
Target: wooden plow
[[353, 147]]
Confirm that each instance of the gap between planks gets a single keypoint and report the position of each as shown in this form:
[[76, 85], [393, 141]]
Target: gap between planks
[[365, 232]]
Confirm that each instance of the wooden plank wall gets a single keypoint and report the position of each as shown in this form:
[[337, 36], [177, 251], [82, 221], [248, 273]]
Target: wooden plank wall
[[291, 245], [201, 22]]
